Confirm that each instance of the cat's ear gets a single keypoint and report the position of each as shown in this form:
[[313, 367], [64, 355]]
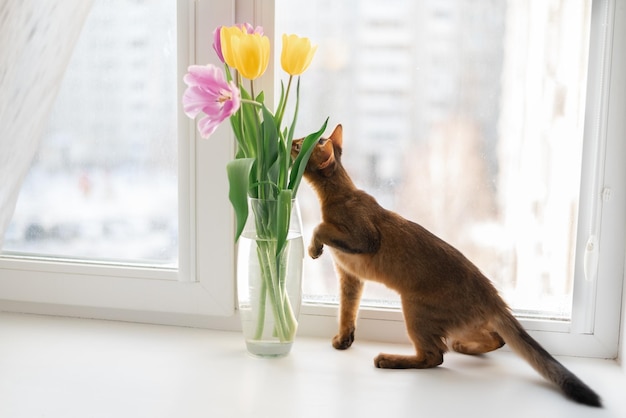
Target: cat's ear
[[325, 153], [337, 136]]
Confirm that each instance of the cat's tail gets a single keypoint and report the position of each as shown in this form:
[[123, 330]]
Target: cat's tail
[[518, 339]]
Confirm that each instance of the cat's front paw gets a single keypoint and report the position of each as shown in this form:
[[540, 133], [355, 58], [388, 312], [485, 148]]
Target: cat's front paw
[[315, 251], [343, 341]]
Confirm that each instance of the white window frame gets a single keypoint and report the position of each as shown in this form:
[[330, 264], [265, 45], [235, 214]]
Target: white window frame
[[201, 288], [201, 291]]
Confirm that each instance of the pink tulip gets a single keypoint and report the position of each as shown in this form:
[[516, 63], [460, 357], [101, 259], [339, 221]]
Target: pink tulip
[[251, 29], [209, 92], [217, 43]]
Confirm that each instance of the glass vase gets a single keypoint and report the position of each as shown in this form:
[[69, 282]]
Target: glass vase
[[269, 277]]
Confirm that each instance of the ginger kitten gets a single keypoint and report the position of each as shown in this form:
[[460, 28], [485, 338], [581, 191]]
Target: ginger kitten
[[446, 301]]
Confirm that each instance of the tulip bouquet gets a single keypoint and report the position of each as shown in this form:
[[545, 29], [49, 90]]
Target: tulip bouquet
[[263, 168]]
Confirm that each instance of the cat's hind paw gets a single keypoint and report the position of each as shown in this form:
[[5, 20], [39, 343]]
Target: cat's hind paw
[[396, 361]]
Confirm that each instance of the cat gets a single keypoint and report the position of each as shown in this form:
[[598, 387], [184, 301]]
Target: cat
[[446, 301]]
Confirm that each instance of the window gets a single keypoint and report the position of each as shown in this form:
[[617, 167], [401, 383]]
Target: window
[[473, 120], [404, 89], [109, 152], [479, 138]]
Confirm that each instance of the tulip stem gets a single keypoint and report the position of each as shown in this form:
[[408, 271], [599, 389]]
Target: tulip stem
[[259, 144], [281, 111], [241, 124]]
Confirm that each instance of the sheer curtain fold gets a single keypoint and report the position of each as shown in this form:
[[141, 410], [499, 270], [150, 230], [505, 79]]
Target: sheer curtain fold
[[36, 39]]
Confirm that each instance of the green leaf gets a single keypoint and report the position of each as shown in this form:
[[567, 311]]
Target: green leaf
[[283, 215], [299, 164], [270, 133], [235, 124], [283, 161], [281, 101], [238, 179], [253, 189], [249, 124], [273, 176], [270, 171], [229, 76]]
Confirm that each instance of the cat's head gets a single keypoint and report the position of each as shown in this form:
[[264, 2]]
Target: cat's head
[[326, 153]]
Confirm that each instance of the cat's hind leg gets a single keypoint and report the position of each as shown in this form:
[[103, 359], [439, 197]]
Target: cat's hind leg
[[429, 350], [351, 289], [476, 340], [426, 337], [423, 360]]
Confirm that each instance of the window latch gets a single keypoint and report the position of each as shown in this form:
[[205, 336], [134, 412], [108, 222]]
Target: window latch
[[590, 261]]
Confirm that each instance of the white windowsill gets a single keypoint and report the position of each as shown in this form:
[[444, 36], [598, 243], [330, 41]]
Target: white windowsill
[[61, 367]]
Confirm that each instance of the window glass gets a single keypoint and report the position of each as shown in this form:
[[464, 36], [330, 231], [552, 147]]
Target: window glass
[[464, 116], [103, 185]]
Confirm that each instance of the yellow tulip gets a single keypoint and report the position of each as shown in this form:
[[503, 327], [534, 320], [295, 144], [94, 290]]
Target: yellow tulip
[[252, 54], [297, 54], [249, 53], [227, 34]]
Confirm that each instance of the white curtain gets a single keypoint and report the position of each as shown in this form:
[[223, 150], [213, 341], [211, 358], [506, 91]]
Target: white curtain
[[36, 42]]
